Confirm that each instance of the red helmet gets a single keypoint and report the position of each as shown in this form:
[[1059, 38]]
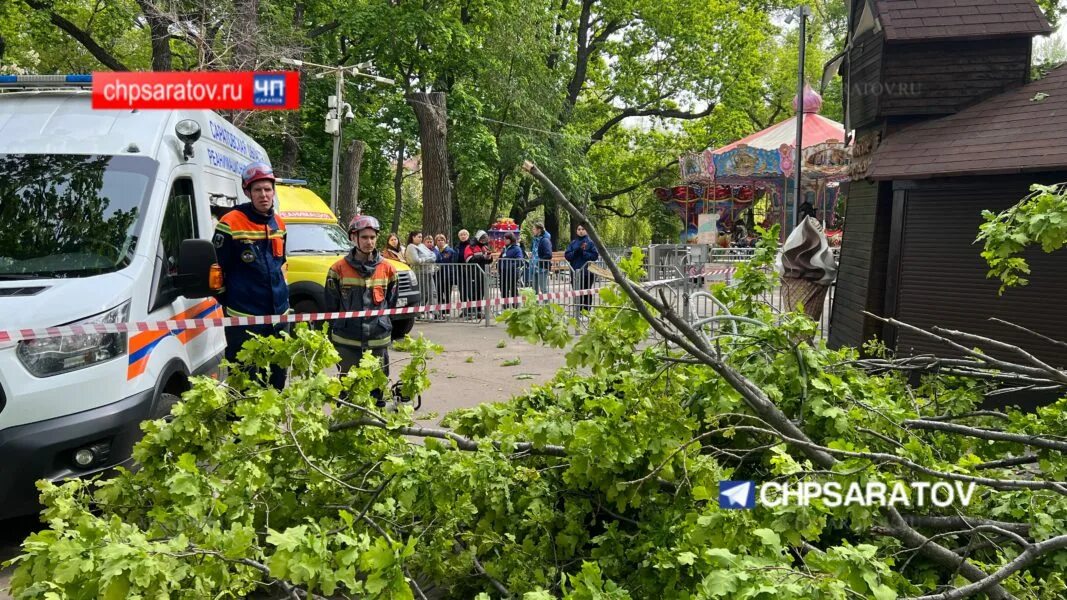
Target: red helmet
[[361, 222], [257, 171]]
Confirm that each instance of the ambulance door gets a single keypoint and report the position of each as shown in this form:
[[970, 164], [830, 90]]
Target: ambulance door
[[151, 350]]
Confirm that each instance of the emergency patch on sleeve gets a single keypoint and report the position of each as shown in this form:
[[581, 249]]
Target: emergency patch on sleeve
[[219, 240]]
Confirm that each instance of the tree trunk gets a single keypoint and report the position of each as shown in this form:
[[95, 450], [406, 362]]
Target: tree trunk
[[432, 113], [457, 213], [398, 187], [348, 203], [159, 26], [247, 42], [498, 189], [292, 123], [287, 164], [552, 220]]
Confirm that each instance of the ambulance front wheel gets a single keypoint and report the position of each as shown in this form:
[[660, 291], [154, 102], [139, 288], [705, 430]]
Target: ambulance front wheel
[[163, 406]]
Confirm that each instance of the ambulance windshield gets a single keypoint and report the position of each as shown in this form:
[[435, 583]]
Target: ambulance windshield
[[317, 238], [68, 215]]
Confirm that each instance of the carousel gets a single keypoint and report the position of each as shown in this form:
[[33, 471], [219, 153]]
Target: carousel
[[726, 192]]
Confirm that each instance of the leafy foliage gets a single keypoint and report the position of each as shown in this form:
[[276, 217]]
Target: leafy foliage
[[1040, 219], [598, 484]]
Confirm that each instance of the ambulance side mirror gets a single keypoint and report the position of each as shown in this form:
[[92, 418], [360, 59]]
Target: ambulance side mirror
[[195, 261]]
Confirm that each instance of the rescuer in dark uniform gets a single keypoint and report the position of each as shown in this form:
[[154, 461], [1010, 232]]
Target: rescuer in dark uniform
[[250, 245]]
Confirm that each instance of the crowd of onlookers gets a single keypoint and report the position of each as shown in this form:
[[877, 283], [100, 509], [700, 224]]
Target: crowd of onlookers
[[517, 267]]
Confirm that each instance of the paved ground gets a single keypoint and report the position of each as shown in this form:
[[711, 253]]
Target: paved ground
[[470, 371]]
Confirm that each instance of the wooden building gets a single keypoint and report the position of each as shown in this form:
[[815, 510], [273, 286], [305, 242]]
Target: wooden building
[[947, 124]]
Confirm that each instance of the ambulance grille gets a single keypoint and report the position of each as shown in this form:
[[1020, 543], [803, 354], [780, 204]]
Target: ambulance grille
[[404, 280]]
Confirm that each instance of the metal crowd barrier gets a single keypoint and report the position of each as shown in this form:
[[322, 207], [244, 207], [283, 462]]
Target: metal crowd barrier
[[446, 283], [504, 278]]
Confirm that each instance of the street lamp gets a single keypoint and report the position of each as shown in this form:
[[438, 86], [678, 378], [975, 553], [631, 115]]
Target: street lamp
[[802, 12], [337, 108]]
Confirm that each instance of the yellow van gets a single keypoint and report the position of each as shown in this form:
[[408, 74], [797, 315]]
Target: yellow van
[[315, 242]]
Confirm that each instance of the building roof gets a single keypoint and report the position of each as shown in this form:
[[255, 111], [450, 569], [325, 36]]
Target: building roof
[[1019, 131], [915, 20]]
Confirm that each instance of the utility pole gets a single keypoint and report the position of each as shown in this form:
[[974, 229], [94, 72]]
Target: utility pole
[[333, 127], [335, 105], [803, 12]]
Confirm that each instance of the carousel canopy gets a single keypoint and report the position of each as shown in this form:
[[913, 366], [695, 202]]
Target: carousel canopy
[[817, 128], [770, 153]]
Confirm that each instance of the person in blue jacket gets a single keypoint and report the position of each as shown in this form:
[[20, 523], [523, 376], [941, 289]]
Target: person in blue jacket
[[511, 264], [579, 254], [540, 258]]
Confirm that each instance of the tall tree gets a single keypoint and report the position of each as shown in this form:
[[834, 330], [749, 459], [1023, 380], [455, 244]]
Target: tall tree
[[431, 109], [352, 164]]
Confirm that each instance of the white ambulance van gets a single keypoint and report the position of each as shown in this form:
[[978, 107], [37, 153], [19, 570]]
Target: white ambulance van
[[106, 217]]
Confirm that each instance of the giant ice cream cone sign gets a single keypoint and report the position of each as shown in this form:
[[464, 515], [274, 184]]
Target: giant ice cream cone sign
[[807, 267]]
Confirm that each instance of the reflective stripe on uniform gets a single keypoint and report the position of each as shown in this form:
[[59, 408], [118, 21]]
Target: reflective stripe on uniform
[[244, 234], [361, 282], [380, 343]]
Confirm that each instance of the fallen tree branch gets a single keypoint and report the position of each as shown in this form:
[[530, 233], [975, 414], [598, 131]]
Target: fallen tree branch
[[986, 434], [935, 522], [1040, 336], [1015, 461], [754, 397], [462, 442], [1028, 556], [693, 342], [968, 415], [978, 356], [481, 571], [997, 484], [1054, 373]]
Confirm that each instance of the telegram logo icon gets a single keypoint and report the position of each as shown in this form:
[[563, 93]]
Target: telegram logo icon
[[737, 494]]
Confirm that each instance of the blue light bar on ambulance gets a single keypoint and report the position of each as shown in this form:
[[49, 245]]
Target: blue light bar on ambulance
[[44, 81], [291, 181]]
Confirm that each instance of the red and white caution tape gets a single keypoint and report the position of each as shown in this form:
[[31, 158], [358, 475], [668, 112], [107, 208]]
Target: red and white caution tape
[[15, 335]]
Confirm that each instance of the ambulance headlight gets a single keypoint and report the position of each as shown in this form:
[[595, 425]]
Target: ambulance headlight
[[44, 357]]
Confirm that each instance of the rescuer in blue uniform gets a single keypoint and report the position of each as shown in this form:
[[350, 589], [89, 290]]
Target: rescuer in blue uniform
[[250, 245]]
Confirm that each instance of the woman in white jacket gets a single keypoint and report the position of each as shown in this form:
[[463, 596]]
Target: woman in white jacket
[[424, 262]]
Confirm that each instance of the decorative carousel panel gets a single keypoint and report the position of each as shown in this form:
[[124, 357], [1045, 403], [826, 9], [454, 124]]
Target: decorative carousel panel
[[787, 158], [692, 166], [746, 161], [828, 160]]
